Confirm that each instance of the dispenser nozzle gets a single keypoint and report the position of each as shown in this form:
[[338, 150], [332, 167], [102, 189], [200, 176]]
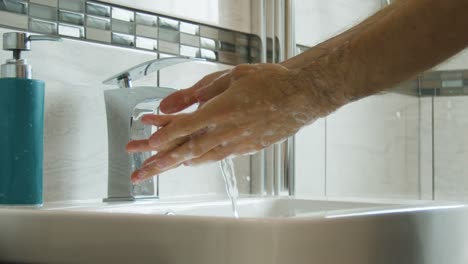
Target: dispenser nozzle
[[18, 42]]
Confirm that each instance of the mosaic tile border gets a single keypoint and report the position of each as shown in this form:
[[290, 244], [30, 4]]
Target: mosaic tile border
[[430, 83], [443, 83], [115, 25], [435, 83]]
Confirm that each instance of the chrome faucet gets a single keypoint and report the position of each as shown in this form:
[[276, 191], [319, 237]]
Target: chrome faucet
[[124, 109]]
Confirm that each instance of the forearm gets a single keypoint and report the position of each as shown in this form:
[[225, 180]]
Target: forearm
[[326, 47], [391, 46]]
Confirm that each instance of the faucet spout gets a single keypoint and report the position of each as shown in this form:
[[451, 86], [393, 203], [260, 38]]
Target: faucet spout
[[124, 109]]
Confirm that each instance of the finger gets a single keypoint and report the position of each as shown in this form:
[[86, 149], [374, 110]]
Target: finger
[[218, 153], [138, 146], [223, 81], [182, 99], [157, 120], [185, 126], [178, 101], [146, 172], [179, 142], [151, 159], [193, 148], [143, 145], [224, 151], [214, 88], [173, 144], [160, 120], [243, 69]]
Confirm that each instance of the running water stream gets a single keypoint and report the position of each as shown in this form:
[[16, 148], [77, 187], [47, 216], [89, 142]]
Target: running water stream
[[227, 169]]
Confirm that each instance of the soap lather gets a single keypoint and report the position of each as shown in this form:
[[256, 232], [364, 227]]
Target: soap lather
[[22, 125]]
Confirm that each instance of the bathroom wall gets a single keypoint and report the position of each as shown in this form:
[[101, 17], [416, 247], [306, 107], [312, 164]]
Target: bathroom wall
[[75, 124], [390, 145], [369, 148], [450, 138], [381, 146], [451, 147], [373, 148], [450, 130]]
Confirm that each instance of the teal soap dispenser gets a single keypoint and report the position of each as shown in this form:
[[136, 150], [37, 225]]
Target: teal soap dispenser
[[21, 125]]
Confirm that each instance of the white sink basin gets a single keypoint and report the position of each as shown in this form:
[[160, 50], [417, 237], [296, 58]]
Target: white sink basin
[[281, 230]]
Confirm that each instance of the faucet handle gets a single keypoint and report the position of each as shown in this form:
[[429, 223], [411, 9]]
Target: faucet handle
[[125, 78]]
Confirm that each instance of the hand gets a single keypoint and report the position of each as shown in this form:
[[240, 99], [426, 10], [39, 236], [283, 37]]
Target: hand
[[241, 111]]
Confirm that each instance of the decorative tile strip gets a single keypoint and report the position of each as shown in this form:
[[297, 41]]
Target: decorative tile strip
[[101, 22], [430, 83]]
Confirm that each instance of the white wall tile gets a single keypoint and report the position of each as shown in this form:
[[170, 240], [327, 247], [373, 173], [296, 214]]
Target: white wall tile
[[451, 148], [222, 13], [318, 20], [372, 148], [310, 160]]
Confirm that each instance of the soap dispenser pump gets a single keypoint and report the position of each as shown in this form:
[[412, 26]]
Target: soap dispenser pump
[[21, 125]]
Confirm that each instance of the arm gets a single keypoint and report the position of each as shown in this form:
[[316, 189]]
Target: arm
[[391, 46], [253, 106]]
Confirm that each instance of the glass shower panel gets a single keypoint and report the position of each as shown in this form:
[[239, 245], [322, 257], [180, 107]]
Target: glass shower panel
[[450, 124], [369, 148]]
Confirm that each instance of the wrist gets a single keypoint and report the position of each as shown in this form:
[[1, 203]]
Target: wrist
[[325, 81]]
